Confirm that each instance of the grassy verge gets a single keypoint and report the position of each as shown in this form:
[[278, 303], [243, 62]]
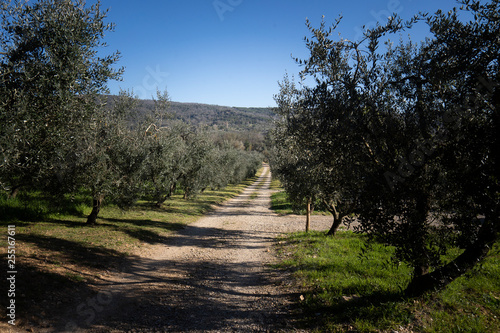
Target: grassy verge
[[349, 287], [279, 199], [281, 205], [58, 256], [120, 230]]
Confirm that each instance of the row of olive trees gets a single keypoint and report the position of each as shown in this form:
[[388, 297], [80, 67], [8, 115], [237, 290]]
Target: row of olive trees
[[405, 139], [180, 155], [59, 135]]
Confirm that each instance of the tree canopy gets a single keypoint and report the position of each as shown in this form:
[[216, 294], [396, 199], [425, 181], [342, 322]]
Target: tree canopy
[[404, 136], [50, 77]]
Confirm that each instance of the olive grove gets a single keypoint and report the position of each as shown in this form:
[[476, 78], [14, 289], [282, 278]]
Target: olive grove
[[61, 134]]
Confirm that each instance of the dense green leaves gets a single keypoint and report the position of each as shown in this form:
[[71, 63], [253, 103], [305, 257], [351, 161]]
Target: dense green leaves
[[405, 137], [50, 75]]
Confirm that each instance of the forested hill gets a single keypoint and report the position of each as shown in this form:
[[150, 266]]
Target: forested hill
[[223, 117], [217, 117]]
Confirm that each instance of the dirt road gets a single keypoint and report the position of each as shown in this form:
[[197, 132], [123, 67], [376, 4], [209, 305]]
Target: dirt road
[[213, 276]]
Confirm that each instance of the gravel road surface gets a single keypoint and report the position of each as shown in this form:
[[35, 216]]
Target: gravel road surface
[[212, 276]]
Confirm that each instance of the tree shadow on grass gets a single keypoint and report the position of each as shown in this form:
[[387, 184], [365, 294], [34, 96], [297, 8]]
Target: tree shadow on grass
[[74, 252], [60, 279], [167, 226], [136, 229], [379, 310], [34, 206], [42, 297], [202, 208], [186, 206], [142, 235]]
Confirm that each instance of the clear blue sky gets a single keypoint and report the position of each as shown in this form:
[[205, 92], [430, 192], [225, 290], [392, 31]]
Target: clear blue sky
[[230, 52]]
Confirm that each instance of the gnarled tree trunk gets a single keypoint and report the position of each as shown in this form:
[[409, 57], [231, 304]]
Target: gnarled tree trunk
[[96, 207], [337, 219], [161, 201], [474, 254], [15, 191], [418, 234]]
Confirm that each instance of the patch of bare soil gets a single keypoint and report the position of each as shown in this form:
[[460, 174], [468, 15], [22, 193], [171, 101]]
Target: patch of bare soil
[[212, 276]]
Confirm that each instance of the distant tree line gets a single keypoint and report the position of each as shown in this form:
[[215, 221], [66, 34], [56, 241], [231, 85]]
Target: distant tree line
[[216, 117], [250, 126], [60, 135], [404, 138]]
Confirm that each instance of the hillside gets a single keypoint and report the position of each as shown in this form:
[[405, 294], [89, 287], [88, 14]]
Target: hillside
[[248, 126], [218, 117], [224, 118]]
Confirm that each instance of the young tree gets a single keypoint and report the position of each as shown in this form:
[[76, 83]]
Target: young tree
[[293, 161], [162, 167], [326, 125], [165, 147], [197, 163]]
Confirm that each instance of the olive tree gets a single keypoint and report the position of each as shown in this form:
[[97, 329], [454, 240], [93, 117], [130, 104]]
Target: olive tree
[[408, 134], [293, 161], [456, 92], [112, 162], [442, 188], [325, 128], [197, 163], [50, 77], [162, 167]]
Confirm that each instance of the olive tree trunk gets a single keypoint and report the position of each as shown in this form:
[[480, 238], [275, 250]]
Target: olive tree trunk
[[475, 253], [96, 207], [337, 219]]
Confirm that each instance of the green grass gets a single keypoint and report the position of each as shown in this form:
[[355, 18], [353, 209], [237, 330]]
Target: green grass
[[281, 204], [347, 286], [275, 184]]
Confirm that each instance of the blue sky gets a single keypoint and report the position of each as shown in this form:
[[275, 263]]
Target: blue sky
[[231, 52]]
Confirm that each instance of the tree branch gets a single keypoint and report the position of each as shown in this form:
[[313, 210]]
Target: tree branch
[[370, 151]]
